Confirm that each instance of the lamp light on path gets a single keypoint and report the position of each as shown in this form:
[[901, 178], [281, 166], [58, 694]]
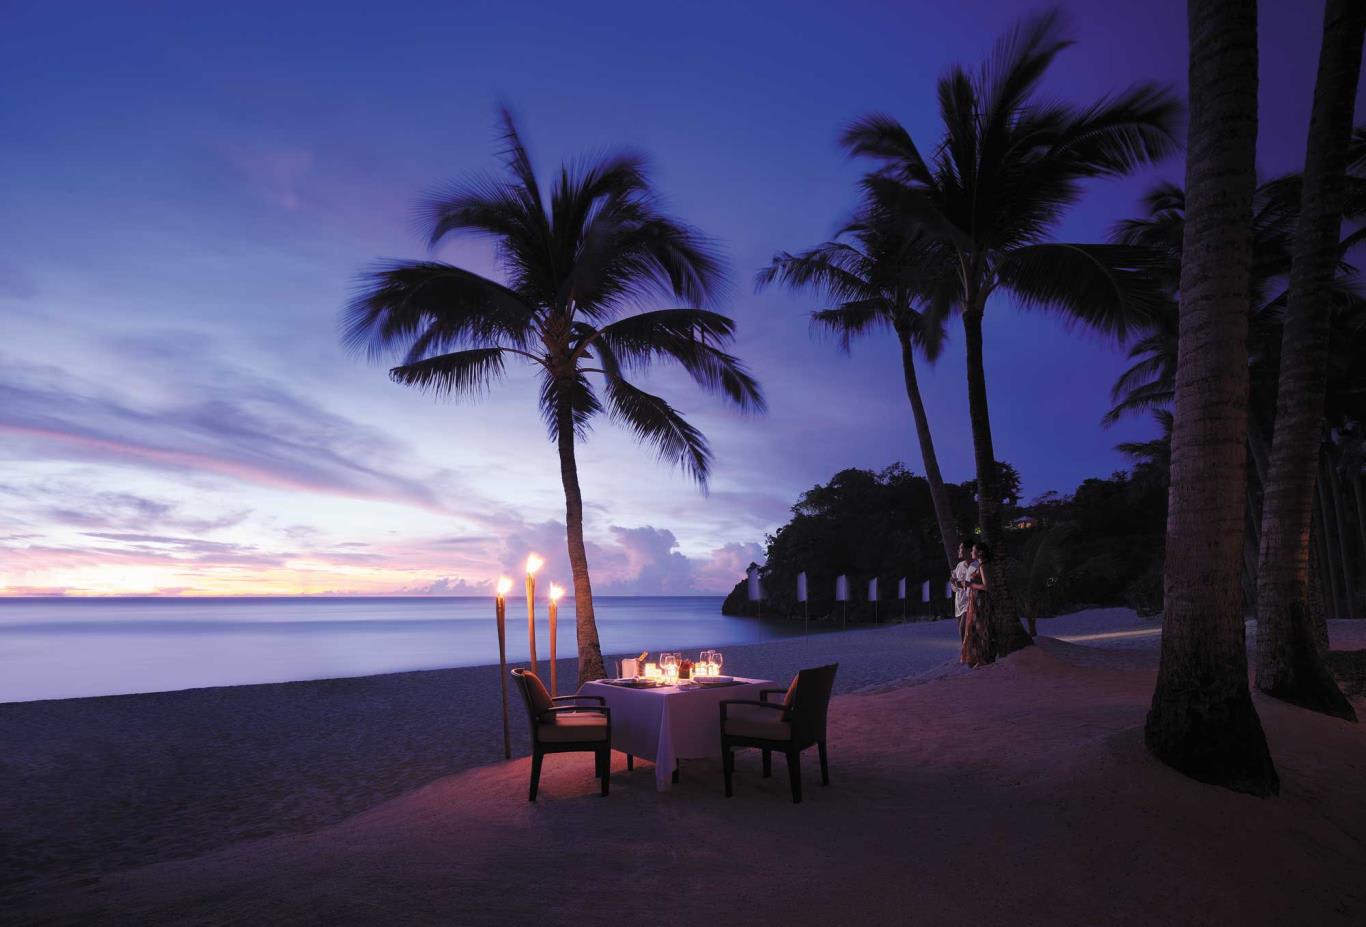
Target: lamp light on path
[[556, 591], [500, 603], [533, 563]]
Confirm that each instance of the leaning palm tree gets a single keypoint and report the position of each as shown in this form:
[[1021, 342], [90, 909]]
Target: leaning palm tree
[[575, 259], [1202, 721], [1289, 663], [1007, 168], [873, 275]]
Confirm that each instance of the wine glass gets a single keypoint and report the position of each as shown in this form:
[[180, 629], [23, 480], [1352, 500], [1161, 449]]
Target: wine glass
[[704, 663], [668, 665], [717, 659]]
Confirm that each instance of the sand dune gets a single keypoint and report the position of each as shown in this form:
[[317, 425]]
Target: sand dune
[[1019, 793]]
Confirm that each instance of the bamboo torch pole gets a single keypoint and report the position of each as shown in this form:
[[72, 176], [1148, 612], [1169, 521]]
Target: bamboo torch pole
[[500, 613], [533, 563], [555, 592]]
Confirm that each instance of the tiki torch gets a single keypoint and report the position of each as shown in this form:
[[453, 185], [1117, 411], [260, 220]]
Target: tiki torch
[[500, 604], [533, 563], [555, 592]]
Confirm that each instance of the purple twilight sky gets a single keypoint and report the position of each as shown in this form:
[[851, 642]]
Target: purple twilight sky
[[189, 191]]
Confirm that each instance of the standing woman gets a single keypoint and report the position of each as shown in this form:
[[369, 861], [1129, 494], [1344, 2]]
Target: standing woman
[[977, 648]]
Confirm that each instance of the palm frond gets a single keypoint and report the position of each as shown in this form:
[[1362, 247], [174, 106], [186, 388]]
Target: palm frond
[[852, 319], [653, 421], [418, 307], [461, 373], [877, 135], [836, 269], [1107, 287], [688, 337], [577, 393]]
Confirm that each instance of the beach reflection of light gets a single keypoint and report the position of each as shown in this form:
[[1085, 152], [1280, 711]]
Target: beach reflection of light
[[1111, 635]]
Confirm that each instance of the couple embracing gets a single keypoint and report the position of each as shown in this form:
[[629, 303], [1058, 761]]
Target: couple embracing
[[972, 604]]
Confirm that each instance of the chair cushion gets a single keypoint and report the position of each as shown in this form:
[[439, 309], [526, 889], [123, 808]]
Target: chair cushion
[[536, 691], [573, 726], [764, 723]]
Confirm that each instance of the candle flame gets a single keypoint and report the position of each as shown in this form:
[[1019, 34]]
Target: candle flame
[[504, 584], [533, 563], [556, 590]]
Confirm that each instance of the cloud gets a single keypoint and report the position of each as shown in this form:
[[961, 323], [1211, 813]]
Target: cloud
[[244, 428]]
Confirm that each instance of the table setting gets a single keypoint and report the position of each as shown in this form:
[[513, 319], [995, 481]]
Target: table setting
[[667, 709]]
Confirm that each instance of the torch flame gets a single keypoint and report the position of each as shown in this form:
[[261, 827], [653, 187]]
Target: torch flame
[[556, 590], [504, 584], [533, 563]]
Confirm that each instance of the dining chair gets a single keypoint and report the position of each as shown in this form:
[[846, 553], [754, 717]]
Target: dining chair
[[789, 726], [565, 728]]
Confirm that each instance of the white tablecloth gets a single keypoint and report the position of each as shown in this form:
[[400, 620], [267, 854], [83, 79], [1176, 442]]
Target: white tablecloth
[[670, 723]]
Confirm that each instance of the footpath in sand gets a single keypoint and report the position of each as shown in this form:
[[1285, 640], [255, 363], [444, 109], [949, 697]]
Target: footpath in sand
[[1016, 794]]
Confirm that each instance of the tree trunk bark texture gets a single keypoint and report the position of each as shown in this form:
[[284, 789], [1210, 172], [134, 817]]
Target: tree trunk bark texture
[[585, 623], [1202, 721], [1008, 635], [943, 513], [1290, 663]]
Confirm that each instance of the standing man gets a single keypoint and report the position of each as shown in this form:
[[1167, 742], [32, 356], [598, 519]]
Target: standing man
[[959, 581]]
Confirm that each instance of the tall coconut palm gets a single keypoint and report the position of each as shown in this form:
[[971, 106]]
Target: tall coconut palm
[[1005, 171], [575, 259], [1289, 663], [873, 274], [1149, 383], [1202, 721]]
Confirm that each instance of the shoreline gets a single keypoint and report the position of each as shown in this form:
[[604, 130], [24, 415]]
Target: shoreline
[[1030, 770], [93, 786]]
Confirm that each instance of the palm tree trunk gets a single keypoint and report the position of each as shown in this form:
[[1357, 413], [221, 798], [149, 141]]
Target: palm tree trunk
[[1339, 500], [943, 513], [1290, 664], [1330, 560], [1008, 635], [1359, 499], [585, 623], [1202, 721], [1314, 602]]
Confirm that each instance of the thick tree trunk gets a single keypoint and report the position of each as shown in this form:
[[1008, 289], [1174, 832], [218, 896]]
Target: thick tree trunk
[[1358, 501], [1314, 604], [1008, 635], [1339, 500], [585, 623], [1202, 721], [1328, 560], [1290, 664], [943, 513]]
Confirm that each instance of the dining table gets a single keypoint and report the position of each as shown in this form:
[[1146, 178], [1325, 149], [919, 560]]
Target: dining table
[[668, 723]]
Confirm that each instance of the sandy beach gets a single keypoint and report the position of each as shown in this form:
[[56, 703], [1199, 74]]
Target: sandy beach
[[1019, 792]]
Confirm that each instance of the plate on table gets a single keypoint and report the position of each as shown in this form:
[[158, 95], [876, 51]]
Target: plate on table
[[713, 680], [634, 682]]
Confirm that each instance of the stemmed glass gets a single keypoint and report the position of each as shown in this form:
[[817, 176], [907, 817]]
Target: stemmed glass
[[704, 661], [668, 665], [718, 659]]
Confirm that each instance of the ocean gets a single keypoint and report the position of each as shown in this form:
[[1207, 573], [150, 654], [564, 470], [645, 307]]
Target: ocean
[[69, 647]]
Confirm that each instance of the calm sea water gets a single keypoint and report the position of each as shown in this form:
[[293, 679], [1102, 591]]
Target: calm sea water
[[63, 648]]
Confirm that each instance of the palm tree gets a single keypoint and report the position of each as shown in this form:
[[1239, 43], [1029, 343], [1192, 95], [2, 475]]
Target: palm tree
[[1289, 662], [870, 272], [1202, 721], [1149, 383], [574, 260], [1005, 171]]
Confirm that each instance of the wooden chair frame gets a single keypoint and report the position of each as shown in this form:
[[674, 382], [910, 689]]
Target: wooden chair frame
[[601, 749], [807, 716]]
